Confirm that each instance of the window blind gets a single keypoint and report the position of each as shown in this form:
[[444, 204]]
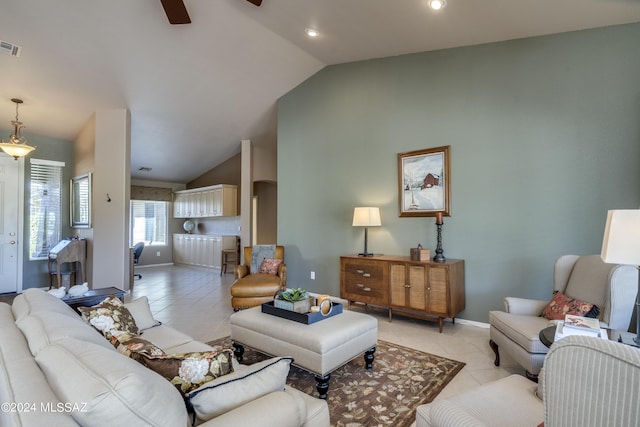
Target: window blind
[[45, 211]]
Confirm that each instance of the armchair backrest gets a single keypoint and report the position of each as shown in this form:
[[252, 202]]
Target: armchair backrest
[[591, 382], [609, 286], [248, 251]]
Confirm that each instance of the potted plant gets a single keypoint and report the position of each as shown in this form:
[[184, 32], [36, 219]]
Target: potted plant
[[296, 300]]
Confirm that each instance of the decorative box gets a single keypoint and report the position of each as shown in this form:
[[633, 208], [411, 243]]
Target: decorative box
[[418, 254], [303, 306]]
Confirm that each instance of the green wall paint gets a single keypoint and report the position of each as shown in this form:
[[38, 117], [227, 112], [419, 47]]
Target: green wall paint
[[36, 273], [544, 135]]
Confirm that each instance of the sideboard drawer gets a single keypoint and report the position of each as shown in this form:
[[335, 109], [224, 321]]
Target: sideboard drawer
[[364, 280]]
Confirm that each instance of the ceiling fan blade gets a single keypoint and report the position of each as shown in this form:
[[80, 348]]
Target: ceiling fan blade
[[176, 11], [255, 2]]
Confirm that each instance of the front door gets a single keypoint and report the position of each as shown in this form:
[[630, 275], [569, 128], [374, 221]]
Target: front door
[[11, 197]]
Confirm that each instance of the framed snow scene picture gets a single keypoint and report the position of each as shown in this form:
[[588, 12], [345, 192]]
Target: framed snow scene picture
[[423, 182]]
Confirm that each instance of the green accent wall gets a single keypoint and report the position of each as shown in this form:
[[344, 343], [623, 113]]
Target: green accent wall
[[544, 135], [35, 273]]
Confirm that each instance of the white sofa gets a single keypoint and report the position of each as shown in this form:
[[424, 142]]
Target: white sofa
[[56, 370]]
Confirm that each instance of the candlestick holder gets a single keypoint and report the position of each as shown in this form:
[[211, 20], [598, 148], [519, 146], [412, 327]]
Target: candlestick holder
[[439, 257]]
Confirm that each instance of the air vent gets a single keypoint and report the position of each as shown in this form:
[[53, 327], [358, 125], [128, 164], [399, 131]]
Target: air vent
[[10, 48], [145, 169]]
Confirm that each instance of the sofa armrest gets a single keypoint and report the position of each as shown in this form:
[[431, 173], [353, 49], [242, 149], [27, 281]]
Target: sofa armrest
[[524, 306], [282, 273], [276, 409], [241, 271]]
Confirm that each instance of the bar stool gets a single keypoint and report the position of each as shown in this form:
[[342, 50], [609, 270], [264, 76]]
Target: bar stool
[[228, 256]]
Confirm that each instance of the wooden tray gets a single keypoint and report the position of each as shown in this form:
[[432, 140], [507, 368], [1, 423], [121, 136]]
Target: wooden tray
[[306, 318]]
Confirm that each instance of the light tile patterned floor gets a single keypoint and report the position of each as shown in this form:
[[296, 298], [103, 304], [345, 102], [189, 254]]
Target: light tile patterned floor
[[197, 302]]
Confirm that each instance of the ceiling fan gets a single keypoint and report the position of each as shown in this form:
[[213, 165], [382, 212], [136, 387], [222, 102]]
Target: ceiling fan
[[177, 12]]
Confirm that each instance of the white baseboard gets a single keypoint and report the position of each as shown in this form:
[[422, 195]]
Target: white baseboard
[[153, 265]]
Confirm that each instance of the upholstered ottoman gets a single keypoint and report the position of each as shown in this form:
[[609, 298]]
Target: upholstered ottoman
[[319, 348]]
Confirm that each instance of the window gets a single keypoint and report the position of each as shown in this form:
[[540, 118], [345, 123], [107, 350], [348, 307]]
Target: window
[[149, 222], [45, 208]]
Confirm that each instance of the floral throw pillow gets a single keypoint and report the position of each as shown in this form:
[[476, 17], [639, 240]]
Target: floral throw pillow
[[133, 346], [560, 305], [189, 371], [270, 266], [109, 316]]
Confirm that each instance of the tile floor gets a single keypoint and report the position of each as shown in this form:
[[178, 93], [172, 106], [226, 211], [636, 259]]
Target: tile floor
[[197, 302]]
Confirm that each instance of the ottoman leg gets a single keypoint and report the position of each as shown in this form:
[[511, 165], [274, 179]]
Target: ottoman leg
[[368, 358], [238, 351], [322, 385]]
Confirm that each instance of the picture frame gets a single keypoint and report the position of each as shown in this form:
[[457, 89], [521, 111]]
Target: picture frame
[[81, 201], [424, 182]]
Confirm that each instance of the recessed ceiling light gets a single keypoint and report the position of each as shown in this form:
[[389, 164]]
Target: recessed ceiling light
[[437, 4], [311, 32]]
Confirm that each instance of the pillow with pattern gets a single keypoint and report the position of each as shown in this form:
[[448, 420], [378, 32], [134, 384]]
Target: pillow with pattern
[[133, 346], [189, 371], [109, 316], [270, 266], [561, 304]]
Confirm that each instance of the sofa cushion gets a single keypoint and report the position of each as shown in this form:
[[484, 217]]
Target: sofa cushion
[[36, 300], [141, 312], [587, 277], [110, 386], [269, 266], [43, 328], [245, 384], [523, 330], [167, 338], [110, 315], [133, 346], [189, 371], [561, 305]]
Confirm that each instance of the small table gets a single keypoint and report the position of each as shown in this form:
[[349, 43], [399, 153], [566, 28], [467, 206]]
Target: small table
[[93, 297], [547, 336], [319, 348]]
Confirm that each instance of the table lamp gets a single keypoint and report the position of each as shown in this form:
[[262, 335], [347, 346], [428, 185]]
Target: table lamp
[[621, 245], [366, 217]]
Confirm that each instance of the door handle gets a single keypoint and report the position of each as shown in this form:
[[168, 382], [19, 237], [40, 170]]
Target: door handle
[[13, 242]]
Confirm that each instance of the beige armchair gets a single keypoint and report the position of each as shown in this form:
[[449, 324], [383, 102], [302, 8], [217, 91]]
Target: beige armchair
[[587, 382], [252, 288], [611, 287]]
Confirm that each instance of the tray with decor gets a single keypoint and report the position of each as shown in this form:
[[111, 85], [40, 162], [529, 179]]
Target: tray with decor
[[306, 318]]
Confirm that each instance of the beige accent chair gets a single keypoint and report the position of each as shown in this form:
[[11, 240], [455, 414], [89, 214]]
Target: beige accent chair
[[611, 287], [252, 288], [586, 382]]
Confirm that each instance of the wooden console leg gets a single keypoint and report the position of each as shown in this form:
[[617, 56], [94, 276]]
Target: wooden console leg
[[368, 358], [238, 351], [494, 347], [322, 385], [440, 323]]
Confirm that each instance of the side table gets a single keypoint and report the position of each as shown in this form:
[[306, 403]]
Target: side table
[[547, 336], [93, 297]]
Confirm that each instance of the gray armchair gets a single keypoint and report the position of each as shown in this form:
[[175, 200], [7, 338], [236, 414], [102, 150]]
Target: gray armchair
[[611, 287]]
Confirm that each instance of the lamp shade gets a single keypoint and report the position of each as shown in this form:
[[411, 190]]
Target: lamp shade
[[621, 243], [366, 217]]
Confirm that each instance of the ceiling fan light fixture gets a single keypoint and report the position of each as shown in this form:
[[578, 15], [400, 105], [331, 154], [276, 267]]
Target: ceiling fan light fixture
[[437, 4], [17, 145], [311, 32]]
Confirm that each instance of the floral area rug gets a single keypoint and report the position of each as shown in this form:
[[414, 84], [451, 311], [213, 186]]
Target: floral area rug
[[402, 379]]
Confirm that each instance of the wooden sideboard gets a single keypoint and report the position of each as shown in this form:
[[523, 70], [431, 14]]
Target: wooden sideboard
[[430, 290]]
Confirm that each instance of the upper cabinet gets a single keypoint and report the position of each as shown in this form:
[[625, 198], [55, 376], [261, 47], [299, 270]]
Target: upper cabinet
[[216, 200]]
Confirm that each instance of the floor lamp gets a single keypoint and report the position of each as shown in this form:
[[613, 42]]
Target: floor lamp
[[621, 245], [366, 217]]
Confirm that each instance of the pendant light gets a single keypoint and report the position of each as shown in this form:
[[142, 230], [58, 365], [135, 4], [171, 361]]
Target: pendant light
[[17, 145]]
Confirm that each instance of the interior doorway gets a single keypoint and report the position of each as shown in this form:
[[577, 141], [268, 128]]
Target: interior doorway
[[11, 214]]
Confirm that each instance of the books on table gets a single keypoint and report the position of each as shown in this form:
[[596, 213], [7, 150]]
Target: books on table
[[579, 325]]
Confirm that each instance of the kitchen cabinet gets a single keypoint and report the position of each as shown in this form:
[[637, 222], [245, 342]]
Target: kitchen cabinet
[[212, 201], [201, 250]]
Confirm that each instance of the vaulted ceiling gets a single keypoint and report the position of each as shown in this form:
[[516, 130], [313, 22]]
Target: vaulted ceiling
[[196, 90]]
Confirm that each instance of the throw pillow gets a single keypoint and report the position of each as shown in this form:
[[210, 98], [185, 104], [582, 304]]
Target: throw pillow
[[108, 316], [133, 346], [189, 371], [141, 312], [560, 305], [247, 383], [270, 266]]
